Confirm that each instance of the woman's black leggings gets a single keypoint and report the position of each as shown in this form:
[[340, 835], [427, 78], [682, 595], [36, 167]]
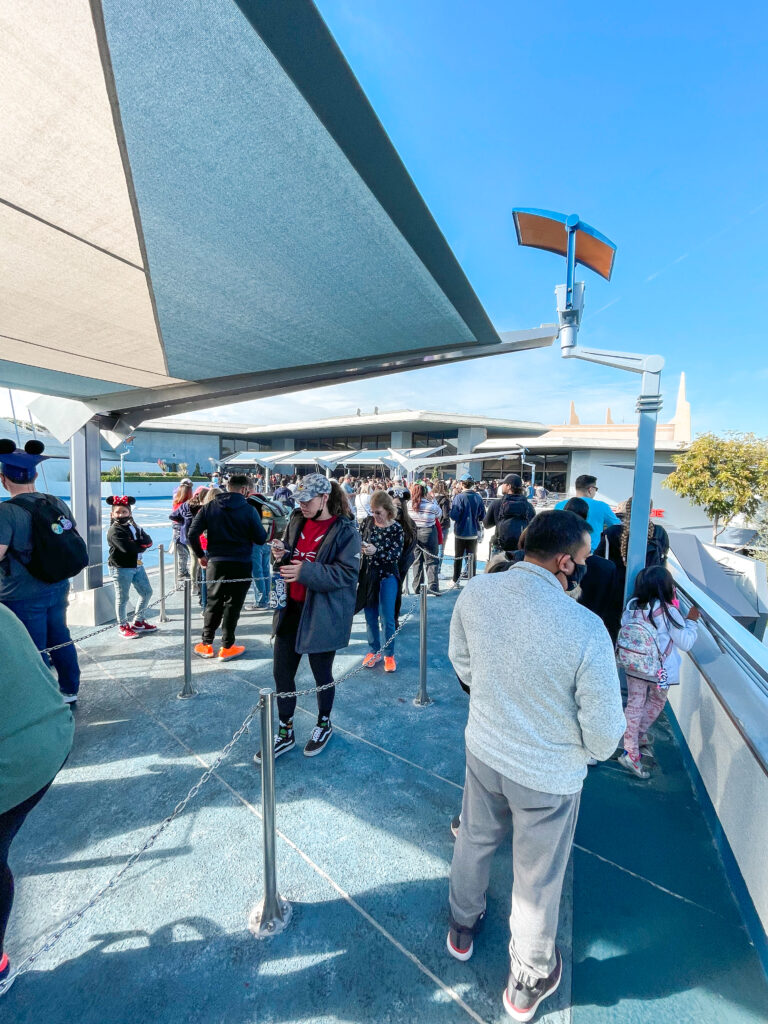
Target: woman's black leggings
[[286, 663], [10, 823]]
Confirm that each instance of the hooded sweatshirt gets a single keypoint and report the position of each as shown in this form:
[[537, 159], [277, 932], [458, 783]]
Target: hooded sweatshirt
[[232, 527]]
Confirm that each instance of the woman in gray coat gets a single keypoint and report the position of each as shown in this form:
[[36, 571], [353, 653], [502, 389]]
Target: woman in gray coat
[[318, 562]]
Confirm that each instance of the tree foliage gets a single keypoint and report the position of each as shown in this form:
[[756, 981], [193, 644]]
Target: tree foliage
[[725, 476]]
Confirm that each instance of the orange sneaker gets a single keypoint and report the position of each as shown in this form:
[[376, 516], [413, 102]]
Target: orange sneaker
[[228, 653], [371, 659], [389, 664], [204, 650]]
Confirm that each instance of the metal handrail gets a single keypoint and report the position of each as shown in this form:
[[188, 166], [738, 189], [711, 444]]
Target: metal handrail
[[744, 650]]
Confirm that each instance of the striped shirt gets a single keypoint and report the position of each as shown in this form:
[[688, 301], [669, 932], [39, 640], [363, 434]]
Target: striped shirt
[[428, 512]]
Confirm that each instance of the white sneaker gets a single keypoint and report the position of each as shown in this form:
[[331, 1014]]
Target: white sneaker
[[633, 766]]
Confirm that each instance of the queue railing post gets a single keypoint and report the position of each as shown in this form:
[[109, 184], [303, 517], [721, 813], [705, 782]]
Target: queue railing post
[[422, 699], [471, 565], [175, 563], [272, 914], [203, 589], [161, 555], [187, 690]]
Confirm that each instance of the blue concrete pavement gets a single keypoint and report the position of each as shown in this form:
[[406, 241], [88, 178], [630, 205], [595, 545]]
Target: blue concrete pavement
[[648, 926]]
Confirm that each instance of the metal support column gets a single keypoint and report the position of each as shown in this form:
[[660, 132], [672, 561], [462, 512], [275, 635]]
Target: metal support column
[[423, 698], [85, 476], [648, 406], [161, 556], [188, 690], [273, 913]]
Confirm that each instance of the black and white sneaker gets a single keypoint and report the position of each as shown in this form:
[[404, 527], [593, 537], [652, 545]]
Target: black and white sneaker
[[522, 1001], [460, 939], [320, 736], [284, 741], [455, 822]]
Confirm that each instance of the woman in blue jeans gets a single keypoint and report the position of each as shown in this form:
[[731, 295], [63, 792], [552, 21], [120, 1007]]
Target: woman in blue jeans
[[379, 582], [127, 542]]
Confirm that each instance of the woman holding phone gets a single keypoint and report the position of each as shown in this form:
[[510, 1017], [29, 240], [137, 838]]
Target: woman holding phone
[[318, 561]]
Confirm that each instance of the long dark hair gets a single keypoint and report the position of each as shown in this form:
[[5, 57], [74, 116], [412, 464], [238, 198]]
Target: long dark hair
[[654, 584], [338, 503]]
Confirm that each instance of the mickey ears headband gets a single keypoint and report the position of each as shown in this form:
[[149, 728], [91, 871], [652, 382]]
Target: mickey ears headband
[[121, 499]]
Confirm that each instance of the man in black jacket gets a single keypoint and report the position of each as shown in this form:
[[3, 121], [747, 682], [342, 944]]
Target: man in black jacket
[[232, 527]]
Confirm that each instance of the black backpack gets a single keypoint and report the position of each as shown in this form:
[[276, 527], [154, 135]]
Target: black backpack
[[58, 550]]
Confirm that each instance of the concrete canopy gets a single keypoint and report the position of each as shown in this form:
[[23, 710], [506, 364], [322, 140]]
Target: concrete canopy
[[198, 203]]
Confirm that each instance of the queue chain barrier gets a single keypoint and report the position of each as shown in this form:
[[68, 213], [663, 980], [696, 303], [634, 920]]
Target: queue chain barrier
[[272, 913]]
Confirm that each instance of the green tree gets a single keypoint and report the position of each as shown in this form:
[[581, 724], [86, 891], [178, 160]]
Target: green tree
[[725, 476]]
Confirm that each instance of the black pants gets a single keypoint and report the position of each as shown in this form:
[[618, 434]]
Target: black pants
[[286, 663], [426, 537], [10, 823], [462, 547], [225, 600]]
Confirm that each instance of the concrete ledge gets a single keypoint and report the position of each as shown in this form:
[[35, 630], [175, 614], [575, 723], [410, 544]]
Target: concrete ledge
[[91, 607]]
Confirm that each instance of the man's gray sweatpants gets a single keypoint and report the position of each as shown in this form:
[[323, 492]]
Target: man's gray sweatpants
[[543, 826]]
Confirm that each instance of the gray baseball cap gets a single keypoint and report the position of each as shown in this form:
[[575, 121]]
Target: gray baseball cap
[[311, 486]]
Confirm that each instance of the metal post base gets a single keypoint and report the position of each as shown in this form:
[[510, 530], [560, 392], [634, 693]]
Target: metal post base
[[264, 922], [422, 703]]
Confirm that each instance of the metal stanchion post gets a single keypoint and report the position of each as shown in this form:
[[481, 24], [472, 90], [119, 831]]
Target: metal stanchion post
[[273, 913], [175, 563], [470, 565], [161, 553], [187, 690], [423, 698], [203, 589]]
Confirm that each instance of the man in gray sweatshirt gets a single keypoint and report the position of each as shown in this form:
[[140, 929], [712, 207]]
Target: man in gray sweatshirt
[[544, 699]]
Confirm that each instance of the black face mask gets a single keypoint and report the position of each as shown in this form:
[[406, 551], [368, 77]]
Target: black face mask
[[578, 574]]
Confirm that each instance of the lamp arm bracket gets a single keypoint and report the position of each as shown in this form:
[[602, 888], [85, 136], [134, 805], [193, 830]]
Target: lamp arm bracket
[[633, 362]]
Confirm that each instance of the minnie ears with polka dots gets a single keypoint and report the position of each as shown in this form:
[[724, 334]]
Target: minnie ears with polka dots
[[120, 499]]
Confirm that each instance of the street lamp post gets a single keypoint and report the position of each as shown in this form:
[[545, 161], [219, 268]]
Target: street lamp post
[[580, 243]]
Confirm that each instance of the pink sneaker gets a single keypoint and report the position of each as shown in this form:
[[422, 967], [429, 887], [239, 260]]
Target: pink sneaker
[[128, 632], [144, 626]]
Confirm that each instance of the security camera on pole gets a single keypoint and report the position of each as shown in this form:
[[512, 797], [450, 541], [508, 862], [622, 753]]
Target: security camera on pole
[[580, 243]]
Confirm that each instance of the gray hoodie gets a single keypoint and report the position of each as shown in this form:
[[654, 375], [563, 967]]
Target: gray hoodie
[[544, 687]]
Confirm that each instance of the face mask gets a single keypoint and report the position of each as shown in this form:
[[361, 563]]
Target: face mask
[[574, 578]]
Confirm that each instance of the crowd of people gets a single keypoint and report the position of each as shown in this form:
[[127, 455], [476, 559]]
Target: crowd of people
[[318, 550]]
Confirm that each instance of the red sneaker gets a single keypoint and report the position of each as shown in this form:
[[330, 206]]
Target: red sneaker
[[371, 659], [145, 626], [203, 650], [390, 665], [128, 632]]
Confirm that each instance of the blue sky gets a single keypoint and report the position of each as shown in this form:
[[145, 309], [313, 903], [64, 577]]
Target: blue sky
[[649, 121]]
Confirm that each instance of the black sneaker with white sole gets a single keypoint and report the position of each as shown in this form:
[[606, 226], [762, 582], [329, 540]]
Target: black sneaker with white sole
[[521, 1001], [455, 822], [460, 940], [284, 741], [320, 736]]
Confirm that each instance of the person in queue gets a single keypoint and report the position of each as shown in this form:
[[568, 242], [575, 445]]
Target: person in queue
[[425, 512], [127, 543], [36, 732], [39, 600], [601, 515], [401, 497], [467, 512], [379, 582], [654, 605], [181, 495], [509, 514], [232, 527], [600, 586], [319, 562], [184, 516], [534, 722]]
